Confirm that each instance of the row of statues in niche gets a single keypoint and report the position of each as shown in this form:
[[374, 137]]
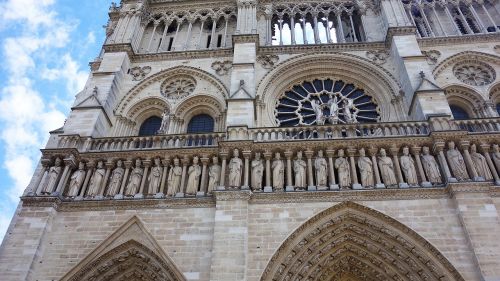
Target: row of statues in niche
[[310, 172], [349, 111]]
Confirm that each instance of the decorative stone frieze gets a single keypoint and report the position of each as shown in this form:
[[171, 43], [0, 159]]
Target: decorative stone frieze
[[268, 61], [432, 56], [179, 87], [378, 57], [139, 73], [222, 67], [474, 73]]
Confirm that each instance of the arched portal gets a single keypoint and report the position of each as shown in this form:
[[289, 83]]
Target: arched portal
[[353, 242]]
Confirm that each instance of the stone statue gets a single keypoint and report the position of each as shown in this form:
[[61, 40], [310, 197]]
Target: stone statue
[[155, 177], [194, 173], [174, 178], [480, 164], [299, 167], [213, 175], [52, 177], [165, 122], [344, 170], [116, 179], [334, 110], [456, 162], [387, 169], [235, 166], [318, 111], [278, 173], [349, 115], [76, 180], [257, 172], [135, 179], [96, 181], [321, 167], [496, 156], [431, 167], [408, 167], [365, 166]]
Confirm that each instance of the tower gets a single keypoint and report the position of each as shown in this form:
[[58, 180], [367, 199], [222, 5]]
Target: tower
[[274, 140]]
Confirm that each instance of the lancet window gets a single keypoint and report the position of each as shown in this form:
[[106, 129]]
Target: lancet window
[[459, 113], [150, 126], [314, 24], [438, 18], [183, 30]]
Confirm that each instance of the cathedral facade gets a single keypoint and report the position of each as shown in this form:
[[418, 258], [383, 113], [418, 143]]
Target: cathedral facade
[[265, 140]]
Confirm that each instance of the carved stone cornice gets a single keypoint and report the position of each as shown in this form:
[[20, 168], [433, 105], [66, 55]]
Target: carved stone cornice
[[397, 31], [232, 195], [300, 49], [470, 187], [454, 40]]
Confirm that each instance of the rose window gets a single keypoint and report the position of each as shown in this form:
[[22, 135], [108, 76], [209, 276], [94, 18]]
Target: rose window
[[178, 88], [475, 74], [325, 102]]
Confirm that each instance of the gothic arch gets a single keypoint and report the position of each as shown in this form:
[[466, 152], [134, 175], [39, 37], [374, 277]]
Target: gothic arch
[[201, 104], [351, 242], [466, 98], [171, 73], [147, 107], [374, 80], [464, 56], [494, 93]]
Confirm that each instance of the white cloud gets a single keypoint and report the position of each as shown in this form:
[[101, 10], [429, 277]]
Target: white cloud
[[25, 117]]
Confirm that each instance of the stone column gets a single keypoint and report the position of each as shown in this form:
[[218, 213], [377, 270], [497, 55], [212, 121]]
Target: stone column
[[246, 177], [146, 163], [351, 152], [267, 155], [185, 163], [203, 188], [468, 161], [310, 173], [394, 151], [438, 148], [109, 166], [373, 153], [331, 170], [165, 163], [486, 152], [223, 155], [68, 164], [90, 171], [423, 180], [128, 165], [43, 176], [289, 183]]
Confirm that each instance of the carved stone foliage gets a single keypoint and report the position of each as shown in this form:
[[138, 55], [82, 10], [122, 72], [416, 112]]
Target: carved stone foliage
[[222, 67], [138, 73], [432, 56], [350, 239], [378, 57], [474, 73], [268, 61], [178, 87]]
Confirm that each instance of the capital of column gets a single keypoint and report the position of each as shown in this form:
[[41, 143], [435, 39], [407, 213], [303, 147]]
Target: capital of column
[[465, 144], [246, 154], [415, 150], [109, 164], [351, 151], [204, 160], [165, 162], [438, 146], [485, 147], [146, 163], [185, 160], [394, 150], [70, 161], [223, 154], [268, 154], [373, 151], [128, 164], [288, 154], [330, 152], [309, 153]]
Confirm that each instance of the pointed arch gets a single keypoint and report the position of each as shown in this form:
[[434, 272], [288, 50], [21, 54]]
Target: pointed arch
[[465, 56], [465, 98], [351, 242], [130, 253]]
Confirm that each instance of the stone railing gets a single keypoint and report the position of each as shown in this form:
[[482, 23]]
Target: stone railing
[[480, 125]]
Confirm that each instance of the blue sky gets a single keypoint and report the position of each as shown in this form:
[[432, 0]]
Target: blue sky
[[45, 48]]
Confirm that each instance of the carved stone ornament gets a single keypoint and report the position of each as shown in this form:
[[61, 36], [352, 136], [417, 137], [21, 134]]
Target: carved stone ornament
[[268, 61], [432, 56], [378, 57], [178, 87], [138, 73], [474, 73], [222, 67]]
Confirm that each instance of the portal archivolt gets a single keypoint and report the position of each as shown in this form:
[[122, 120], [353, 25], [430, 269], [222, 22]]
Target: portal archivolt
[[353, 242]]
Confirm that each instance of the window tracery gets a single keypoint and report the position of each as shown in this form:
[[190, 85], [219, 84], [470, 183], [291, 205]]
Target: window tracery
[[178, 88], [325, 101], [474, 73]]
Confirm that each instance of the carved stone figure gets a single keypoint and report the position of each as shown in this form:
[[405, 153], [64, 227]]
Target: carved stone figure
[[174, 178], [278, 173], [344, 170], [431, 167], [334, 110], [194, 173], [299, 167], [480, 164], [165, 122], [321, 167], [213, 175], [456, 162], [96, 181], [387, 169], [76, 180], [257, 172], [349, 115], [408, 167], [496, 156], [155, 177], [318, 111], [365, 166], [135, 179], [116, 179], [235, 166], [52, 177]]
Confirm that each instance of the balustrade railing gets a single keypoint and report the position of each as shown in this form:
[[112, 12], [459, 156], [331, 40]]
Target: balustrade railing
[[481, 125]]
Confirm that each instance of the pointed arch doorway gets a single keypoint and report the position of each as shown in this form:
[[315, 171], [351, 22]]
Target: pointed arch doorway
[[350, 242]]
